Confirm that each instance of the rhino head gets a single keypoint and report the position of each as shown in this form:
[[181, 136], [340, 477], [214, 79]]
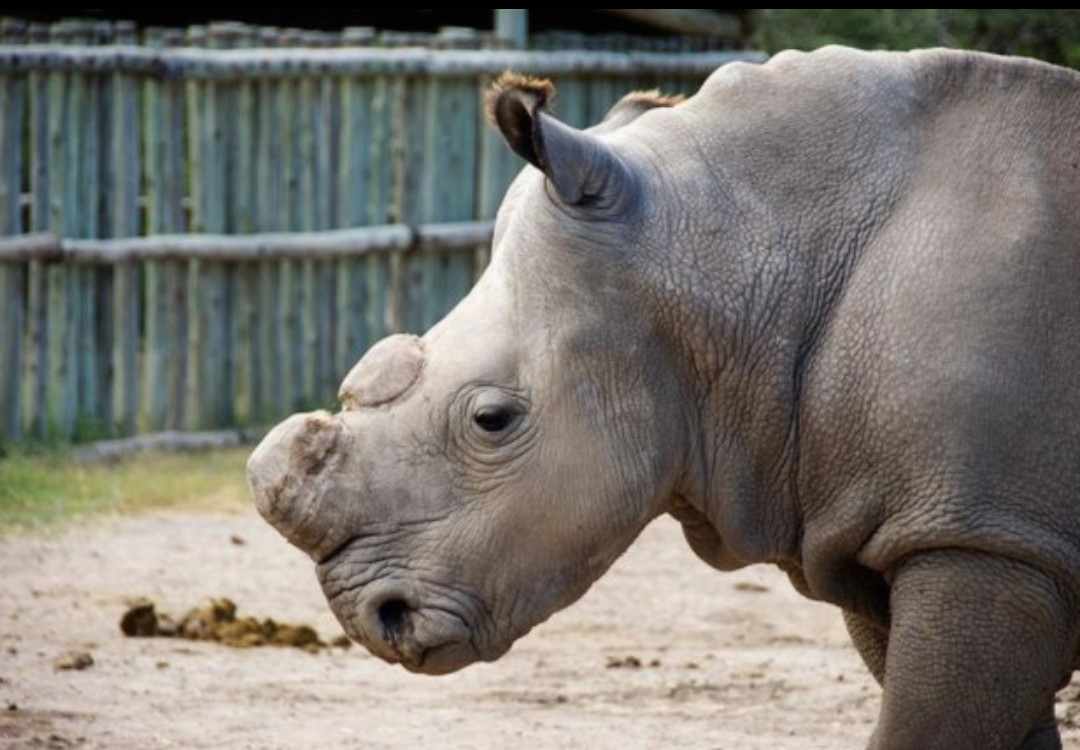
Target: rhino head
[[480, 478]]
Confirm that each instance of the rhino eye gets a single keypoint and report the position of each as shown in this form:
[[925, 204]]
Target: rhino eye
[[494, 418]]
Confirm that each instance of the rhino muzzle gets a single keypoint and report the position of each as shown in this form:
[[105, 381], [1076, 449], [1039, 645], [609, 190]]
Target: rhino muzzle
[[390, 619]]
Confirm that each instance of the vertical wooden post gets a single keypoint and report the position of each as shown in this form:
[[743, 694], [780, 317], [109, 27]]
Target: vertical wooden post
[[497, 167], [210, 383], [64, 293], [355, 135], [324, 111], [83, 365], [269, 205], [383, 310], [195, 104], [452, 137], [164, 379], [223, 357], [37, 364], [407, 270], [13, 277], [306, 355], [122, 206], [250, 367], [291, 300]]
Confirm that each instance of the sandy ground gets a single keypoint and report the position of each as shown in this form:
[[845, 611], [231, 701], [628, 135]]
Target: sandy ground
[[662, 653]]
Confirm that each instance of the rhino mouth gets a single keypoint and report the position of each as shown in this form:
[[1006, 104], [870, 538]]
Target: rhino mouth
[[442, 659]]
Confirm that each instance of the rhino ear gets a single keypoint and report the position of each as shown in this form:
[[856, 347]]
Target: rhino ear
[[512, 105], [582, 169], [633, 106]]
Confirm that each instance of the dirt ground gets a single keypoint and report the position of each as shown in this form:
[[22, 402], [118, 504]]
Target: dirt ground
[[663, 652]]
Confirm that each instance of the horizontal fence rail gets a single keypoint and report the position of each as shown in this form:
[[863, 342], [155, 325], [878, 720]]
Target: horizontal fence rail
[[247, 63], [204, 229], [334, 244]]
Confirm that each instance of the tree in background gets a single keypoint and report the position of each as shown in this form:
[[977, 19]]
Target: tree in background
[[1048, 34]]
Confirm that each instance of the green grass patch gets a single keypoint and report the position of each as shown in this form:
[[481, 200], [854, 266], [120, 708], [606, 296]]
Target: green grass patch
[[47, 489]]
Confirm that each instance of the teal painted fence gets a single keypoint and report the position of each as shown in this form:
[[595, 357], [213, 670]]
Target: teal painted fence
[[205, 229]]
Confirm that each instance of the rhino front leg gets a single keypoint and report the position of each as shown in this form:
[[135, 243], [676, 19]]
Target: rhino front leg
[[977, 648]]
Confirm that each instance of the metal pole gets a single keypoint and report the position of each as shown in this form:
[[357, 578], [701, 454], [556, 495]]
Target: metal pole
[[512, 24]]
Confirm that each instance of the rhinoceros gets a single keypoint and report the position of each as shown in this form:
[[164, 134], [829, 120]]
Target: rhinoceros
[[825, 313]]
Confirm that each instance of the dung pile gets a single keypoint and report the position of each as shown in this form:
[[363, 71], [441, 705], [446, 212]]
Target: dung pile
[[217, 621]]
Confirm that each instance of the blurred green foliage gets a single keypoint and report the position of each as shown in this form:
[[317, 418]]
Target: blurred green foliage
[[1048, 34]]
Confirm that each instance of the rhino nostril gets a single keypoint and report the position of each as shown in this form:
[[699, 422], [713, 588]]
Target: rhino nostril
[[392, 615]]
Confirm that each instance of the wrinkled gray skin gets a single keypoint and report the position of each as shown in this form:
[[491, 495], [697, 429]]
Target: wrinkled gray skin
[[826, 313]]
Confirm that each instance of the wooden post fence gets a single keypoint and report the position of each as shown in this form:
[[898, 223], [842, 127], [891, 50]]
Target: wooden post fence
[[205, 229]]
